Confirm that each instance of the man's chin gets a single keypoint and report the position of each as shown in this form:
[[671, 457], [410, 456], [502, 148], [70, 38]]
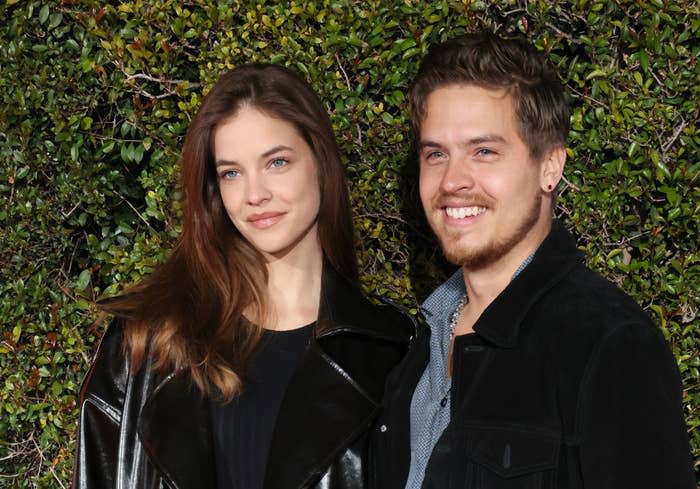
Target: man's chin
[[459, 254], [472, 260], [473, 257]]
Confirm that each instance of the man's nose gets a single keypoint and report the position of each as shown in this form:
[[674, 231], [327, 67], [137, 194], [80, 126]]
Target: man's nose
[[458, 176]]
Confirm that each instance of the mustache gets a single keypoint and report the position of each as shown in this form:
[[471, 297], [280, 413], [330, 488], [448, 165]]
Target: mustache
[[454, 199]]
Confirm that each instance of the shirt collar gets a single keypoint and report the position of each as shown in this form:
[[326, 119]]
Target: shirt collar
[[443, 299], [452, 290]]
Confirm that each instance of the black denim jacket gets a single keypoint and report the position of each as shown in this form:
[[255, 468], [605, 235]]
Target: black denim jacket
[[567, 384], [143, 430]]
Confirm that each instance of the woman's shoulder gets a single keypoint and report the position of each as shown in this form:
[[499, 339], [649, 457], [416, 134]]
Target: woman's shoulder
[[106, 379], [393, 319], [373, 316], [113, 336], [348, 309]]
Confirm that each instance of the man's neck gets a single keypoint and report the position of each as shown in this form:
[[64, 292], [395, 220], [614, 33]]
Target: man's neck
[[484, 284]]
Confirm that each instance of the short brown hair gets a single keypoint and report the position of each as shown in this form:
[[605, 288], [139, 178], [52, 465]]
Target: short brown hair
[[491, 62]]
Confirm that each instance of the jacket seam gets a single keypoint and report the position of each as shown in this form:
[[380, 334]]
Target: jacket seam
[[349, 328], [513, 427], [345, 375], [165, 476], [104, 407]]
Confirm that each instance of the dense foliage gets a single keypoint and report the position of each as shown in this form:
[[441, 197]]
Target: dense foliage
[[95, 100]]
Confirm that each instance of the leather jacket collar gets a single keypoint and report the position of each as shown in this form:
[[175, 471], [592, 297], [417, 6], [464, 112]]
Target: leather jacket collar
[[343, 309], [323, 400]]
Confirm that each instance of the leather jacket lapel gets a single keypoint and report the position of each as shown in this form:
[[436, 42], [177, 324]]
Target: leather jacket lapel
[[323, 412], [323, 403], [175, 430], [334, 395]]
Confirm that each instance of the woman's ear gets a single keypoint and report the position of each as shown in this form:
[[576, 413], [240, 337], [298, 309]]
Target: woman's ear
[[552, 168]]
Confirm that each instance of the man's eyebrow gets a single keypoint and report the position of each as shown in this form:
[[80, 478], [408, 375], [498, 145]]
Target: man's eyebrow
[[429, 144], [486, 138], [271, 151]]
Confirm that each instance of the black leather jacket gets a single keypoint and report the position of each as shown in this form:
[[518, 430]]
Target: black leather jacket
[[145, 430]]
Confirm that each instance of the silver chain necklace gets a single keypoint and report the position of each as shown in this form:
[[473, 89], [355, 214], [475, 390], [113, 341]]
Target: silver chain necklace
[[455, 315]]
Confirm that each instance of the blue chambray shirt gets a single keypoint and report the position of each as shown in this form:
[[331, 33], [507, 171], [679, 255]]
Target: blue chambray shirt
[[430, 404]]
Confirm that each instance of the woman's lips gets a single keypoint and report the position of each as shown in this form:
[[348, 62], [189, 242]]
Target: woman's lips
[[264, 220]]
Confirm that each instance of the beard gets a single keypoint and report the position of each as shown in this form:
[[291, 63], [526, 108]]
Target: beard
[[475, 257]]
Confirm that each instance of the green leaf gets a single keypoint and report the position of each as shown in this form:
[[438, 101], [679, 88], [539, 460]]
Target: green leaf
[[16, 333], [107, 148], [21, 172], [83, 279], [595, 74], [55, 20], [644, 60], [44, 14]]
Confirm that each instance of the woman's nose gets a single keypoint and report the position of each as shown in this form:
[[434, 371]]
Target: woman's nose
[[257, 190]]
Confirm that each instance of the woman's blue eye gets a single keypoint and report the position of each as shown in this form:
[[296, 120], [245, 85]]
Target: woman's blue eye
[[229, 174], [278, 163]]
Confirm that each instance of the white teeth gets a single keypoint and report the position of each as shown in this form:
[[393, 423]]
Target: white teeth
[[462, 212]]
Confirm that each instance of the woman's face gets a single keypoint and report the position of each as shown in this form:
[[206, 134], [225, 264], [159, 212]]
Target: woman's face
[[268, 182]]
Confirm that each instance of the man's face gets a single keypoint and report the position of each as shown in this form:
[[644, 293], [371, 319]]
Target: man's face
[[480, 189]]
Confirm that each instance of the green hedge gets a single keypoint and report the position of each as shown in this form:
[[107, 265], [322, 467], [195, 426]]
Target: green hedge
[[95, 100]]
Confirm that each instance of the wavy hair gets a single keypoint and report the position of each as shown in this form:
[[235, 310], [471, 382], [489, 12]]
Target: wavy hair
[[188, 314]]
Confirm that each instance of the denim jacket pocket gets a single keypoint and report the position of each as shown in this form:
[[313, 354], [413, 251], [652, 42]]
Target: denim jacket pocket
[[493, 458], [507, 458], [511, 453]]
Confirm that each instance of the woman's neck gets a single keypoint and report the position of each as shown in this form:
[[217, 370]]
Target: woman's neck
[[294, 287]]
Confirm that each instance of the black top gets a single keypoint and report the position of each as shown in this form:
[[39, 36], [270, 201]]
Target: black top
[[243, 428]]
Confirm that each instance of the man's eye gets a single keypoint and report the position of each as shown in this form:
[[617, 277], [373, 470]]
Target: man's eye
[[278, 163], [435, 155], [485, 152]]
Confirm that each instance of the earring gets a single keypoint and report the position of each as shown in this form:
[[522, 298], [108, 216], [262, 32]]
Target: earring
[[549, 187]]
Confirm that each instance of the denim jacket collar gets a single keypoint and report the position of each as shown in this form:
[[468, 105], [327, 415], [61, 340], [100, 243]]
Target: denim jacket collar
[[555, 257]]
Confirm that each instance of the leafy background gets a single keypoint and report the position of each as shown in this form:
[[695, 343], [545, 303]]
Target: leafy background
[[96, 98]]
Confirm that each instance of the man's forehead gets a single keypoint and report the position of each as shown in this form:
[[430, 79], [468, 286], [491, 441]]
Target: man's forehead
[[472, 89]]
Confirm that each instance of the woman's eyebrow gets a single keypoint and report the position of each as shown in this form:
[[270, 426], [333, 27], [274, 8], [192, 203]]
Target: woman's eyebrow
[[271, 151], [274, 150]]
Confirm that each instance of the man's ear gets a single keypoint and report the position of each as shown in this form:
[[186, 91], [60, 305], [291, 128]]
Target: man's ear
[[552, 168]]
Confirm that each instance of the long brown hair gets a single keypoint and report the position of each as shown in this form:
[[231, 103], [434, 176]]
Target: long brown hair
[[189, 312]]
